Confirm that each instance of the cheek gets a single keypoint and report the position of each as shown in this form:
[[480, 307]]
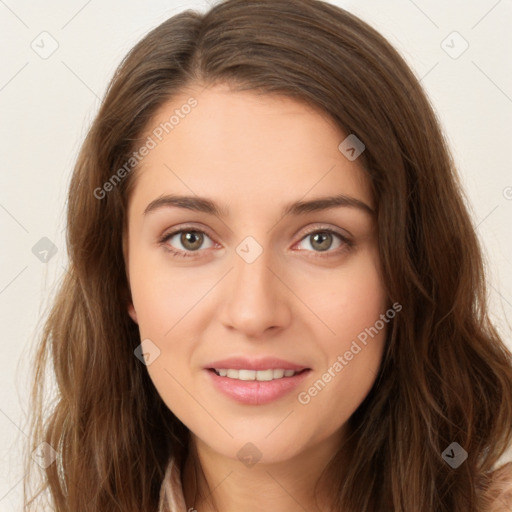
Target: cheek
[[162, 295], [356, 311], [352, 362], [161, 303], [167, 301], [349, 300]]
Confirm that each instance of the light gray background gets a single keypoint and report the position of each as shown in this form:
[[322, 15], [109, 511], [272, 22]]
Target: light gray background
[[47, 105]]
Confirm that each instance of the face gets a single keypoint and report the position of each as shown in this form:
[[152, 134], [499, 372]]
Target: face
[[256, 278]]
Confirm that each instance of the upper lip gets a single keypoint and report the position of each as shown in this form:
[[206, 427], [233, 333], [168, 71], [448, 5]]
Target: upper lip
[[264, 363]]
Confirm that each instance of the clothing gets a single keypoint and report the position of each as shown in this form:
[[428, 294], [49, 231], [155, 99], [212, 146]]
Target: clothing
[[171, 492], [499, 498]]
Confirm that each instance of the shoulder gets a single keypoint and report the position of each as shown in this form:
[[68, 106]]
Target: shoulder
[[497, 493]]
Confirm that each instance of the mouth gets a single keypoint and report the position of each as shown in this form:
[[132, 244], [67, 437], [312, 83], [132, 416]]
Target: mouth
[[256, 387], [258, 375]]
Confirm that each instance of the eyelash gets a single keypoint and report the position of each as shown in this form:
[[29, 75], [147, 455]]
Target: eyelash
[[348, 244]]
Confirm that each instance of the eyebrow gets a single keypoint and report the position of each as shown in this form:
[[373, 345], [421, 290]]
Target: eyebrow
[[205, 205]]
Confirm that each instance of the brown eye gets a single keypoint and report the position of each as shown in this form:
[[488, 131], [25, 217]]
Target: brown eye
[[191, 240], [185, 242], [322, 241]]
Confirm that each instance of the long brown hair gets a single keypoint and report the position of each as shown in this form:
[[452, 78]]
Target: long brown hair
[[446, 375]]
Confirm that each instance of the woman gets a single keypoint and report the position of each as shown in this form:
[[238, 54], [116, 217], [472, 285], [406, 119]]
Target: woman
[[275, 295]]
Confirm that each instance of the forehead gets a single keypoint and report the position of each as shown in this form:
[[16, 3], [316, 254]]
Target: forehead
[[218, 142]]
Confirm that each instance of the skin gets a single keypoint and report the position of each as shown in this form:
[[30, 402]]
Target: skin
[[253, 154]]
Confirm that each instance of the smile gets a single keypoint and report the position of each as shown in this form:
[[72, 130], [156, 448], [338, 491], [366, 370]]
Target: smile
[[260, 375], [244, 386]]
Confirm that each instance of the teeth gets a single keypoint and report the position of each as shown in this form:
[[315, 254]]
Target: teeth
[[261, 375]]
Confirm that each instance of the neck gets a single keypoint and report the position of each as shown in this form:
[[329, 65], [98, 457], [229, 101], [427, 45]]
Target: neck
[[213, 482]]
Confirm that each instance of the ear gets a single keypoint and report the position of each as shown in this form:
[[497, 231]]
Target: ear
[[132, 312]]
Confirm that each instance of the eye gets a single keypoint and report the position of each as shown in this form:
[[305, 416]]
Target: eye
[[190, 240], [321, 240]]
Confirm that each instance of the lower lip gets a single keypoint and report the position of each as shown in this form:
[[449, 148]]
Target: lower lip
[[254, 392]]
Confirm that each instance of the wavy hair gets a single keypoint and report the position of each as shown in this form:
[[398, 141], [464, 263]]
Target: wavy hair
[[446, 376]]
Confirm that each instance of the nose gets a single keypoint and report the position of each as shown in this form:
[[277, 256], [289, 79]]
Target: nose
[[256, 299]]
